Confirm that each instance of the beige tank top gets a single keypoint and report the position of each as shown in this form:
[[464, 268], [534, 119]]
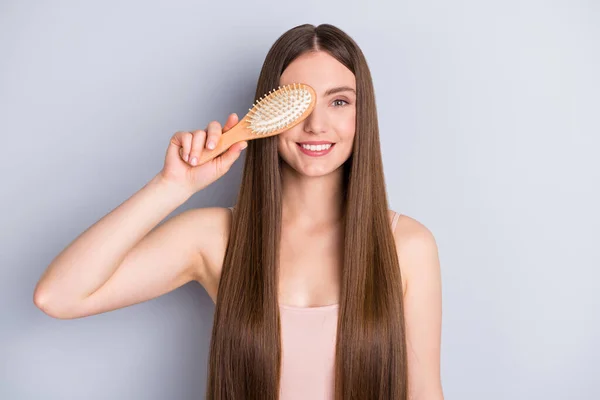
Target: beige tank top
[[308, 336]]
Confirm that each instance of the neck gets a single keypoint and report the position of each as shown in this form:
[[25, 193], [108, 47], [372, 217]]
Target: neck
[[312, 201]]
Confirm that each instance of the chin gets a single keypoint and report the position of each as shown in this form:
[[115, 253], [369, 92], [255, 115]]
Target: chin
[[315, 174], [314, 171]]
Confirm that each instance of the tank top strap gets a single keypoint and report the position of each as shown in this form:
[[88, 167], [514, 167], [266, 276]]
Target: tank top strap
[[395, 221]]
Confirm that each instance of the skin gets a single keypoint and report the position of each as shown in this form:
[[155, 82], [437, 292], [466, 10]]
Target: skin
[[141, 260]]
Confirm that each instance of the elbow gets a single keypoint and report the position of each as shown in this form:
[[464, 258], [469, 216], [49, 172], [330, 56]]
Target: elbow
[[51, 307]]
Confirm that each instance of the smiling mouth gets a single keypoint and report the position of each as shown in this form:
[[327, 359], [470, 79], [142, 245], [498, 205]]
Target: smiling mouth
[[316, 150]]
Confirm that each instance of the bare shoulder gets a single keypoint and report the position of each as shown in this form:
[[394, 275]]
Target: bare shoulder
[[417, 249], [422, 304], [409, 230]]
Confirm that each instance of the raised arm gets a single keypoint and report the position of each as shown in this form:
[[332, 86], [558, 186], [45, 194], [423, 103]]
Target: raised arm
[[126, 257]]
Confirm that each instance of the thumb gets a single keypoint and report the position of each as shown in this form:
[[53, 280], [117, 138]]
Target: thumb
[[232, 120], [173, 150]]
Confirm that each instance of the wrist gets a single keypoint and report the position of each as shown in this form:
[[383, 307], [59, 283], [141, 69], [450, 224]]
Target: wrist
[[179, 190]]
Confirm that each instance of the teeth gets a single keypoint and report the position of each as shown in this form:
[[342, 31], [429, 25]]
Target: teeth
[[319, 147]]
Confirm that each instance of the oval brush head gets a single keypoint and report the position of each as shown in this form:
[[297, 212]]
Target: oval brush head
[[276, 112]]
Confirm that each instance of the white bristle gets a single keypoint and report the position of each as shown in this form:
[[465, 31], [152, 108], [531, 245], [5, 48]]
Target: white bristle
[[279, 109]]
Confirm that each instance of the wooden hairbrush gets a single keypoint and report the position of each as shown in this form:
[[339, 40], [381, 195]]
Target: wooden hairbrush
[[279, 110]]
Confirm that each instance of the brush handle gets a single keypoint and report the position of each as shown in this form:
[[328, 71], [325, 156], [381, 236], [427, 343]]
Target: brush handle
[[237, 133]]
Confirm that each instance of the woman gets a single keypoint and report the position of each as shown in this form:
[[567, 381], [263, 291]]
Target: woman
[[322, 291]]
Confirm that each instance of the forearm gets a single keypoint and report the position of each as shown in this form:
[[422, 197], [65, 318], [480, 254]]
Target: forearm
[[91, 259]]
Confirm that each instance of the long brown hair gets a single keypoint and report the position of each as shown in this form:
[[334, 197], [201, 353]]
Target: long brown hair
[[245, 351]]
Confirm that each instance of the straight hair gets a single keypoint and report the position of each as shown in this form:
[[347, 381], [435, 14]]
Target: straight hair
[[245, 349]]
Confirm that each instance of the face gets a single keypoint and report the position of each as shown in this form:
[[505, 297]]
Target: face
[[331, 122]]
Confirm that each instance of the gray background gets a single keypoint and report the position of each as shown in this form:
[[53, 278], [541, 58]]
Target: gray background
[[490, 134]]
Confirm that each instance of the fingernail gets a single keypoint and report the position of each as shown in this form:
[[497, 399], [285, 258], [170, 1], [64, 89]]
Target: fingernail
[[211, 145], [194, 160], [244, 145], [186, 157]]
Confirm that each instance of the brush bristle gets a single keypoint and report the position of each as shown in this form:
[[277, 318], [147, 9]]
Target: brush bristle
[[278, 109]]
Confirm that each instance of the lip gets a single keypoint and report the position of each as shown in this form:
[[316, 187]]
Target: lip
[[315, 153]]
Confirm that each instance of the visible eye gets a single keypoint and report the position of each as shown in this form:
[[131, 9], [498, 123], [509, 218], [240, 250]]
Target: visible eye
[[341, 100]]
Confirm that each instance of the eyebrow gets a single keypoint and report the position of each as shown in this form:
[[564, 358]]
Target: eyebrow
[[338, 89]]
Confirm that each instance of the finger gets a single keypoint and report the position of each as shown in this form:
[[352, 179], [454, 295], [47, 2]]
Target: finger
[[180, 143], [226, 160], [232, 120], [186, 140], [214, 134], [197, 145]]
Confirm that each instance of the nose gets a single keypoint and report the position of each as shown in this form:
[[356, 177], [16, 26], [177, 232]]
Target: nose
[[316, 122]]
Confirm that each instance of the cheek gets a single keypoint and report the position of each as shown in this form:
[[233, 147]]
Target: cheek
[[347, 129], [282, 138]]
